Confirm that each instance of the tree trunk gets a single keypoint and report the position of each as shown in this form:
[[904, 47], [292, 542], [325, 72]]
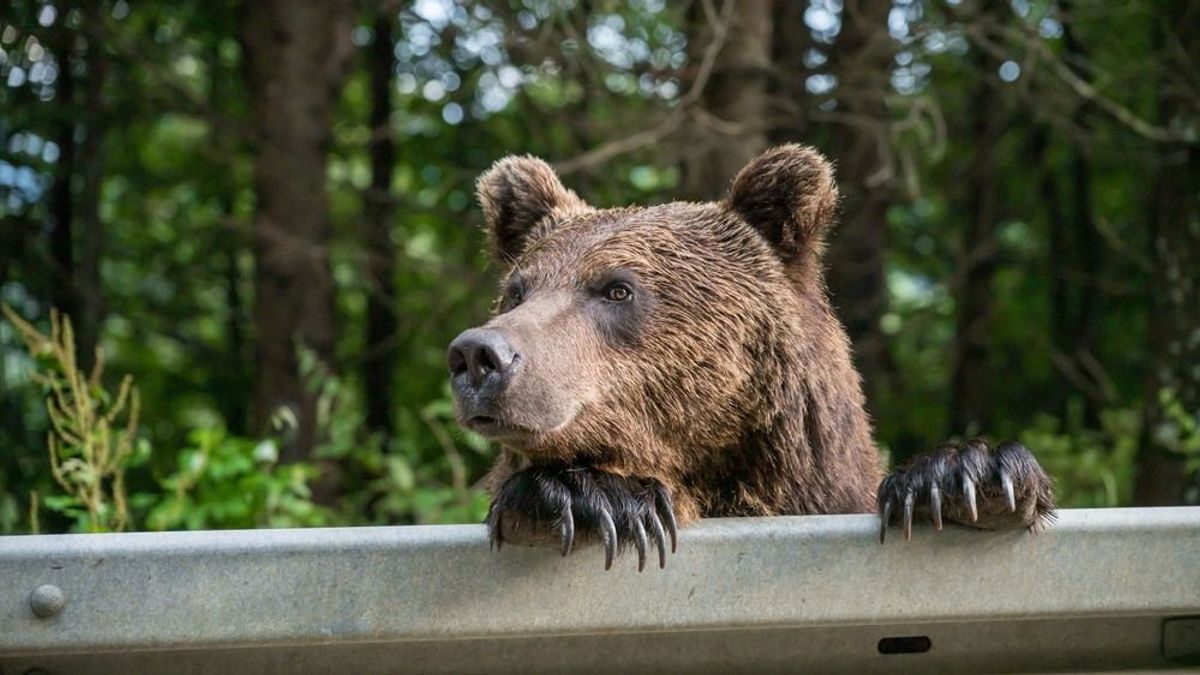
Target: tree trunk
[[1076, 249], [236, 374], [1175, 290], [382, 306], [61, 201], [790, 39], [862, 58], [295, 54], [89, 287], [978, 256], [730, 128], [1058, 250], [233, 402]]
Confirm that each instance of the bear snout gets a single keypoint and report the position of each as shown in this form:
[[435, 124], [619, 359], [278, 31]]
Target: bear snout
[[481, 358], [482, 363]]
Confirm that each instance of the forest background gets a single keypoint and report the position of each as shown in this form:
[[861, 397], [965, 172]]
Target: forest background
[[260, 220]]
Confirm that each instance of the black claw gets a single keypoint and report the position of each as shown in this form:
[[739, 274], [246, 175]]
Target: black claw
[[884, 518], [660, 538], [609, 533], [495, 523], [569, 501], [960, 482], [969, 497], [568, 530], [908, 514], [935, 506], [666, 510], [973, 463], [640, 532], [1009, 496]]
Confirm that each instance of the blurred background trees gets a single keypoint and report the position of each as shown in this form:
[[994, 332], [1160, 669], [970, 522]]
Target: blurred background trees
[[263, 212]]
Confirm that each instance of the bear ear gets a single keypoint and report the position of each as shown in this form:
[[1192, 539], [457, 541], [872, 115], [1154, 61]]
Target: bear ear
[[517, 193], [789, 196]]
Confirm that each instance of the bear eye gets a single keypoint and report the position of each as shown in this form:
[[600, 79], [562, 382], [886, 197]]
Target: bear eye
[[512, 297], [618, 291]]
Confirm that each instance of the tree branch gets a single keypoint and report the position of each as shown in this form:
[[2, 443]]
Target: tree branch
[[603, 153]]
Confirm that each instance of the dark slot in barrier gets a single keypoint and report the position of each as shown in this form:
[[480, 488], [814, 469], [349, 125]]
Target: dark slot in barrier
[[912, 644]]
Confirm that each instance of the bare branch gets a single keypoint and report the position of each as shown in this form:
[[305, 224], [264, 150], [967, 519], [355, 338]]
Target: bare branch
[[603, 153], [684, 108], [1081, 87]]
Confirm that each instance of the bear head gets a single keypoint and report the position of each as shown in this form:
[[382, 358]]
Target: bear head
[[648, 338]]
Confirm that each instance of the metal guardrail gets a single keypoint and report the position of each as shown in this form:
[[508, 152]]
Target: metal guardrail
[[1101, 589]]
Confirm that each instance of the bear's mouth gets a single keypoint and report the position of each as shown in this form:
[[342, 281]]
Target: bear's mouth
[[516, 431], [493, 427], [483, 421]]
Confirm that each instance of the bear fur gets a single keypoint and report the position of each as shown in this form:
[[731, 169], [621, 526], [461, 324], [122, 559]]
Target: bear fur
[[648, 365]]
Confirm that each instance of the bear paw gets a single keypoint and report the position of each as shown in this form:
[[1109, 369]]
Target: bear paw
[[545, 504], [969, 484]]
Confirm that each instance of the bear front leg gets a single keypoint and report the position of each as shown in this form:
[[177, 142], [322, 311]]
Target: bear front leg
[[970, 484], [544, 504]]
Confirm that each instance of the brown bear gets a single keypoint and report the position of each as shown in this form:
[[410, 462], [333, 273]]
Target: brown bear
[[648, 366]]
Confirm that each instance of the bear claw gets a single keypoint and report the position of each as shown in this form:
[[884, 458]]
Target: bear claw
[[542, 504], [970, 484], [568, 530], [608, 532]]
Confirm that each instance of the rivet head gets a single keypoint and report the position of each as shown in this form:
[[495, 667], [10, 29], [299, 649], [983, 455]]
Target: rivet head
[[47, 600]]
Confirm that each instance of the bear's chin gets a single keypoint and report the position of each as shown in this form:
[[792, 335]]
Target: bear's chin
[[528, 440]]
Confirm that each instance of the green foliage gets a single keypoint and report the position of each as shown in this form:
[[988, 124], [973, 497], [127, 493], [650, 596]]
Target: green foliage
[[1091, 467], [219, 480], [229, 482], [1180, 429], [472, 83], [89, 449], [404, 480]]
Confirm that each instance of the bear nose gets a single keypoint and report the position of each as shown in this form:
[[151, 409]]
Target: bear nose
[[480, 352]]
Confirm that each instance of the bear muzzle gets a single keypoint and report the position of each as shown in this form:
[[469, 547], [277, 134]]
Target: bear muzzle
[[482, 363]]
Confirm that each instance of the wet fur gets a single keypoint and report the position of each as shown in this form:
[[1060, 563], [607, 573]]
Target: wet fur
[[733, 387]]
